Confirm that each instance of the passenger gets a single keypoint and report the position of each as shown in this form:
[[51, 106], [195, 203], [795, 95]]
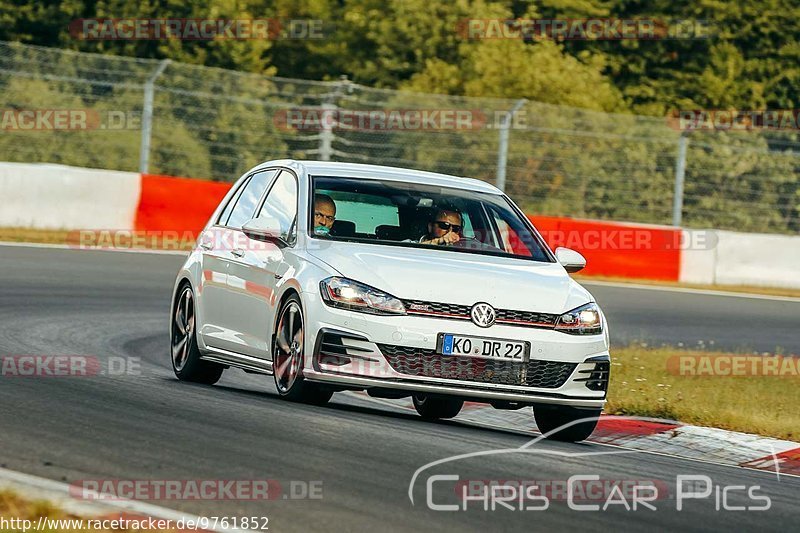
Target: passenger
[[444, 229], [324, 214]]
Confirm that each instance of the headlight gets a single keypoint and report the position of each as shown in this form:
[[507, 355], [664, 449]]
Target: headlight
[[348, 294], [584, 320]]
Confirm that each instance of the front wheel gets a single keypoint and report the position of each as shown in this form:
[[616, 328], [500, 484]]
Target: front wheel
[[287, 359], [562, 421], [436, 407]]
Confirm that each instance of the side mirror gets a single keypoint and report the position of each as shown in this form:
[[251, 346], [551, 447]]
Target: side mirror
[[571, 260], [265, 229]]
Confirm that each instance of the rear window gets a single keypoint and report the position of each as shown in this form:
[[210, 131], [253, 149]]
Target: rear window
[[367, 211]]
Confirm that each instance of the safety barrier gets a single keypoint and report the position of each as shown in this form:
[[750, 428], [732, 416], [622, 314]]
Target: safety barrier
[[179, 204], [46, 196], [617, 249], [60, 197]]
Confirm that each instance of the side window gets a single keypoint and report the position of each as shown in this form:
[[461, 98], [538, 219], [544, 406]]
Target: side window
[[281, 204], [247, 202], [226, 213]]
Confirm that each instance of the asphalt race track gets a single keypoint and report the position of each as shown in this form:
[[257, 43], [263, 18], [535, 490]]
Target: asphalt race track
[[703, 321], [148, 426]]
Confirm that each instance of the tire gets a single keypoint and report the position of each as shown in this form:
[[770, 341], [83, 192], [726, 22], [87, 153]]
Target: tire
[[288, 357], [552, 417], [184, 353], [436, 407]]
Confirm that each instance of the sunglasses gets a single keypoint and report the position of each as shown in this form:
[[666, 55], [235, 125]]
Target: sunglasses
[[329, 218], [448, 226]]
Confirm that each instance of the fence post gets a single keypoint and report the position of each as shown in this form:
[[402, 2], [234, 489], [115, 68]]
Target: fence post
[[502, 149], [680, 171], [326, 134], [329, 118], [147, 116]]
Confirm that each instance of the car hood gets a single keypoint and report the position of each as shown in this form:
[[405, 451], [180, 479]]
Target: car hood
[[456, 277]]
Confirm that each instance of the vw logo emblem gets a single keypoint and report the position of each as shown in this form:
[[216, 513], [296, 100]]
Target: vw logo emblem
[[482, 314]]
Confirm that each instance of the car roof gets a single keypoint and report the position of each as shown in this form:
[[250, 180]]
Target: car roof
[[378, 172]]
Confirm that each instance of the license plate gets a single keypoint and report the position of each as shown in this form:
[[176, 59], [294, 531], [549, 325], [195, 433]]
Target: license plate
[[483, 347]]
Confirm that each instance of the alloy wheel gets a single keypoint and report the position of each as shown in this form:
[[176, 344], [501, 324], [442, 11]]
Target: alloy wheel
[[182, 328], [288, 347]]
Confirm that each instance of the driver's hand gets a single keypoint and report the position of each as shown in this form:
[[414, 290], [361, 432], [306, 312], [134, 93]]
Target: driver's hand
[[449, 238]]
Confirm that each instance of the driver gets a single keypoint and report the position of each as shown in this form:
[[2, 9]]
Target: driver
[[324, 214], [444, 229]]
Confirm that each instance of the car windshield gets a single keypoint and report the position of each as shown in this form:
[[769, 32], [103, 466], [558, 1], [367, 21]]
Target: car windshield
[[417, 215]]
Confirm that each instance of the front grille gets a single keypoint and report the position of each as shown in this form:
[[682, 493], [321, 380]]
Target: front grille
[[422, 363], [507, 317], [545, 319], [422, 307]]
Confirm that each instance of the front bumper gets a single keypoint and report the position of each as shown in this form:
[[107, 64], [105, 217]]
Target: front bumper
[[362, 363], [476, 393]]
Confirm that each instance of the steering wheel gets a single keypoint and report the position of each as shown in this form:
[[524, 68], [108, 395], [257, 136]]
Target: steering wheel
[[474, 244], [463, 241], [467, 242]]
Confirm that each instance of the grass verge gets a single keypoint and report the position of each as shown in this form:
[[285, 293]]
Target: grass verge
[[14, 507], [38, 236], [646, 382], [105, 239]]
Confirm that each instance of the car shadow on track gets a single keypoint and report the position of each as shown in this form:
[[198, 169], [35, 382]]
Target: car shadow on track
[[341, 405]]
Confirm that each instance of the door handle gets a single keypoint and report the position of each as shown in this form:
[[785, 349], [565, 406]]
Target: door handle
[[206, 241], [238, 252]]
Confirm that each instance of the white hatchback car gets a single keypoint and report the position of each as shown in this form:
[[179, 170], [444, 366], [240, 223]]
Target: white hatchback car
[[334, 277]]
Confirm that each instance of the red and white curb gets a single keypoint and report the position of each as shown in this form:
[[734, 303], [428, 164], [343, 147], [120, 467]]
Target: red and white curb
[[37, 488], [713, 445]]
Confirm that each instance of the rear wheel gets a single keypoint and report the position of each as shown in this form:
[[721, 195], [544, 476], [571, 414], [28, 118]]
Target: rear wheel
[[436, 407], [287, 360], [555, 417], [186, 362]]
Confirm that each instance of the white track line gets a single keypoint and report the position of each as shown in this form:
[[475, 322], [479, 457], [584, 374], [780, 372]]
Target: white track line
[[706, 292], [76, 248]]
